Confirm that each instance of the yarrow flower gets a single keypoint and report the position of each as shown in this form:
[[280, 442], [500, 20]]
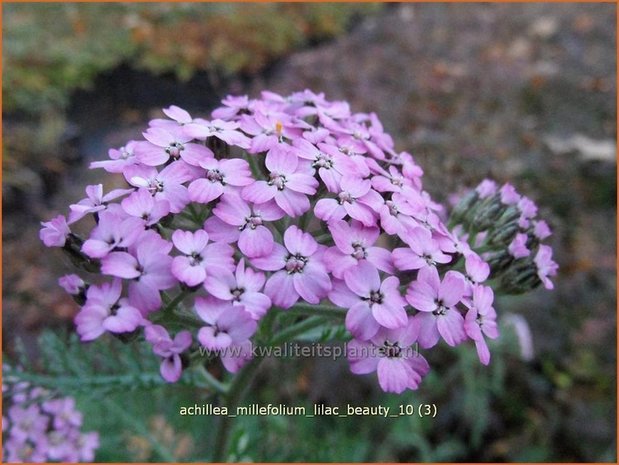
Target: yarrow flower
[[291, 203], [37, 427]]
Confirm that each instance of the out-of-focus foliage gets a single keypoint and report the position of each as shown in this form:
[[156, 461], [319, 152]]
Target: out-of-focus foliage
[[51, 49]]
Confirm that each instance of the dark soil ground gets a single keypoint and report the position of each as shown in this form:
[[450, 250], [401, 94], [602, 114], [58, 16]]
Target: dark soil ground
[[521, 93]]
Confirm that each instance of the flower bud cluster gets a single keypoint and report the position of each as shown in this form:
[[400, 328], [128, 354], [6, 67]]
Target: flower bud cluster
[[503, 225]]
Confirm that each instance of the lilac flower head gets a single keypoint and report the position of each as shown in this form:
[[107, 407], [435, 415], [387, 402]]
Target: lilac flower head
[[422, 251], [486, 188], [72, 284], [162, 145], [370, 302], [546, 266], [391, 354], [104, 310], [356, 199], [94, 202], [288, 183], [224, 130], [299, 270], [227, 326], [119, 159], [221, 176], [237, 220], [199, 258], [241, 288], [148, 266], [477, 271], [113, 231], [169, 349], [436, 300], [518, 247], [55, 232], [354, 243], [141, 204], [481, 321], [41, 427]]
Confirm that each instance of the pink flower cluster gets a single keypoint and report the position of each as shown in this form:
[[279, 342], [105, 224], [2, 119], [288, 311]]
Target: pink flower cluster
[[37, 428], [269, 203]]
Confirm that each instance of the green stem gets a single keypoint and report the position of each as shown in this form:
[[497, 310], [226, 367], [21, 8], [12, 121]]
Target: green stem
[[323, 310], [254, 165], [297, 329], [211, 381], [238, 387], [195, 216], [175, 301], [324, 238], [241, 383]]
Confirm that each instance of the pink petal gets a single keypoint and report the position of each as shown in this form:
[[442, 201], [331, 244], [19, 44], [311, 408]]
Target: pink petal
[[390, 316], [189, 242], [219, 231], [329, 209], [362, 279], [192, 275], [177, 114], [360, 212], [256, 242], [220, 285], [428, 332], [451, 327], [237, 323], [195, 154], [126, 319], [393, 374], [482, 351], [281, 291], [150, 155], [95, 248], [258, 192], [341, 232], [120, 264], [256, 304], [452, 288], [293, 203], [362, 357], [341, 296], [203, 190], [380, 258], [281, 160], [171, 369], [299, 242], [209, 308], [313, 284], [360, 321], [237, 172], [159, 137], [303, 183], [144, 297], [276, 260]]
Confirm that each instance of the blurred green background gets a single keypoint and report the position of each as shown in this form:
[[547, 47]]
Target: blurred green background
[[524, 93]]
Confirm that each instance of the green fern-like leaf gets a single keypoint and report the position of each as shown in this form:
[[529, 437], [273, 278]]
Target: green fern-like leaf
[[106, 365]]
